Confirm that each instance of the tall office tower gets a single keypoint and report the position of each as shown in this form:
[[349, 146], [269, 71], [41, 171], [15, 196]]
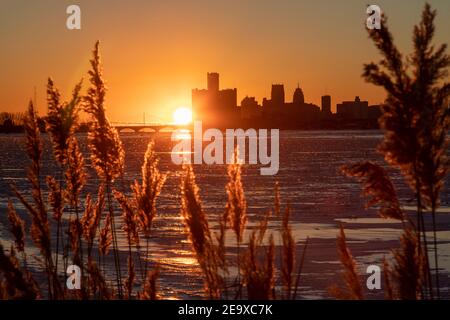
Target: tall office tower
[[277, 95], [326, 104], [213, 81]]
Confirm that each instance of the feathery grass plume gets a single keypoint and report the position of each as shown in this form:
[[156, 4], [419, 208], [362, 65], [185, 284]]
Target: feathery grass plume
[[145, 194], [62, 119], [33, 139], [97, 284], [75, 232], [107, 153], [75, 174], [40, 231], [288, 254], [259, 277], [409, 270], [129, 217], [199, 233], [415, 117], [61, 124], [16, 284], [91, 219], [17, 227], [150, 291], [56, 201], [105, 237], [377, 186], [55, 198], [193, 214], [75, 177], [130, 227], [236, 206], [430, 69], [353, 289], [87, 219], [263, 224], [39, 228], [40, 235]]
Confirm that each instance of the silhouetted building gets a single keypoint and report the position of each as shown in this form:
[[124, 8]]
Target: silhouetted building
[[213, 81], [279, 113], [201, 104], [326, 105], [374, 112], [227, 99], [274, 107], [215, 107], [299, 97], [277, 94], [353, 110], [250, 109]]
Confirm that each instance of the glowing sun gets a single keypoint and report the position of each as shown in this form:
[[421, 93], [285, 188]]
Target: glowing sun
[[182, 116]]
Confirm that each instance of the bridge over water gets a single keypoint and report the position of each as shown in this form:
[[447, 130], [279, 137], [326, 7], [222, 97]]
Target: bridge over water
[[152, 127]]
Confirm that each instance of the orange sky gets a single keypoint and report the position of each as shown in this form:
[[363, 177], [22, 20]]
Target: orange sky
[[155, 52]]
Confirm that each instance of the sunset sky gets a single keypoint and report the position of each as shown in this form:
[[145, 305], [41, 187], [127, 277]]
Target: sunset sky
[[155, 52]]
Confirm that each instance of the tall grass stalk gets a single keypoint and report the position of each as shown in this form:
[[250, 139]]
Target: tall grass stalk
[[40, 232], [197, 226], [415, 118], [410, 274], [236, 208], [146, 194], [61, 123], [107, 154]]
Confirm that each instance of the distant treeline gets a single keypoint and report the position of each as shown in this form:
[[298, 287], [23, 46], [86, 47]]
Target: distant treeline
[[13, 123]]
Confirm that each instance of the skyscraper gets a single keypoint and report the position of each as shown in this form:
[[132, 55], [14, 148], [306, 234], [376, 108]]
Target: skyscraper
[[213, 81], [277, 94], [326, 104], [216, 108]]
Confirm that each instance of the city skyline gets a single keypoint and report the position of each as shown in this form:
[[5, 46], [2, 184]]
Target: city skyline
[[217, 107], [155, 52]]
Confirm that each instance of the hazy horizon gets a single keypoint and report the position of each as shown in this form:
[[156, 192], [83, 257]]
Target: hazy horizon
[[155, 52]]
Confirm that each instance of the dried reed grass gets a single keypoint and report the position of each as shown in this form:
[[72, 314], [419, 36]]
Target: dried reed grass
[[197, 226], [415, 118], [353, 288]]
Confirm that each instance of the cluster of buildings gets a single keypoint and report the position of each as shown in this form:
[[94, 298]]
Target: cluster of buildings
[[219, 109]]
